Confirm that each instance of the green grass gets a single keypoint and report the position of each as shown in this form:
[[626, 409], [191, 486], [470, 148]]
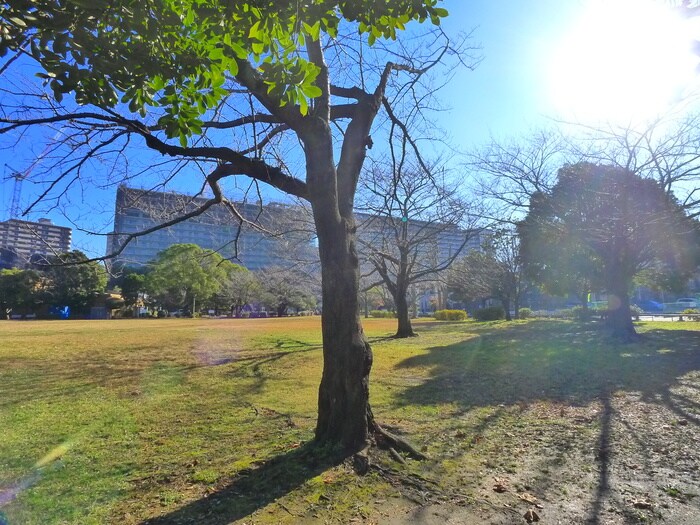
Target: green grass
[[209, 420]]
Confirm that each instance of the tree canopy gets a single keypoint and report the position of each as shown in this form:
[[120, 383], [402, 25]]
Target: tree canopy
[[72, 280], [178, 55], [19, 289], [617, 224], [185, 273]]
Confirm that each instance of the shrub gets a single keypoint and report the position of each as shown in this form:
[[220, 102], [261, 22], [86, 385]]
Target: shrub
[[581, 314], [382, 314], [450, 315], [492, 313], [525, 313], [692, 311]]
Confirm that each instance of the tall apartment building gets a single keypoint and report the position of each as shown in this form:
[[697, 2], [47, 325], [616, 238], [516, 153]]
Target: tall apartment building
[[278, 237], [21, 240], [285, 236]]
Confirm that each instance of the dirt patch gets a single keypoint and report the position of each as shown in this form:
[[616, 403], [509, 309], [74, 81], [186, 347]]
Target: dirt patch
[[621, 460]]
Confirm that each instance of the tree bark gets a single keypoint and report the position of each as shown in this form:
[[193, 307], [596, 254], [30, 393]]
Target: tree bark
[[343, 400], [506, 307], [619, 318], [402, 313]]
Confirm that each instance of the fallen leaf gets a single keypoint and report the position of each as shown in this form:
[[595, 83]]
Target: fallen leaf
[[642, 503], [531, 516], [526, 496], [500, 485]]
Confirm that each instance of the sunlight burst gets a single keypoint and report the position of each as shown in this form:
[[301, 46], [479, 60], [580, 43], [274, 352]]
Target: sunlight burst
[[624, 60]]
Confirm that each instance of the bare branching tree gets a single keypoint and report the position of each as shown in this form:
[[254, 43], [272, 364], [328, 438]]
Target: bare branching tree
[[666, 150], [414, 225], [508, 172], [497, 272]]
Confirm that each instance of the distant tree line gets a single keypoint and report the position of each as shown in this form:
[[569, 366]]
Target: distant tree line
[[186, 279]]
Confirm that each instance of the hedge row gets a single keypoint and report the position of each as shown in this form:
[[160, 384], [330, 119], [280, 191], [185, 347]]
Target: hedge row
[[383, 314], [492, 313], [450, 315]]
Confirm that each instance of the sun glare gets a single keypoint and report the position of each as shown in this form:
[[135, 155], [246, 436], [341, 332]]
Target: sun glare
[[623, 60]]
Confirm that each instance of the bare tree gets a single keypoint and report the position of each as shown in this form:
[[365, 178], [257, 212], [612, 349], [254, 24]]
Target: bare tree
[[414, 226], [666, 150], [496, 272], [508, 172]]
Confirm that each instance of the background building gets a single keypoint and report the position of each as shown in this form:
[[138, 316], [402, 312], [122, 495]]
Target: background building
[[21, 240], [261, 237]]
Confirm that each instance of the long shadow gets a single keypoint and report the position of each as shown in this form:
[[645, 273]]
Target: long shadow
[[575, 364], [252, 489], [549, 361], [603, 457]]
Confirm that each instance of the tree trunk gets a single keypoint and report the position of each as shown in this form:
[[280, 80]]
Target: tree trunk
[[402, 313], [343, 400], [619, 319], [506, 307]]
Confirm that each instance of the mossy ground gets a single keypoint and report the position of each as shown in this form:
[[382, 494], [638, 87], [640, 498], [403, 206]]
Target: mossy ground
[[209, 421]]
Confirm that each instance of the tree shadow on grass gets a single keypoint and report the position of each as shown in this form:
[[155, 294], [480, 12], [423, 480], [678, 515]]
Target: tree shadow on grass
[[253, 489], [572, 363]]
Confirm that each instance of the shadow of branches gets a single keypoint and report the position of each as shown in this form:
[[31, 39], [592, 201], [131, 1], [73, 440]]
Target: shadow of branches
[[572, 363], [252, 489]]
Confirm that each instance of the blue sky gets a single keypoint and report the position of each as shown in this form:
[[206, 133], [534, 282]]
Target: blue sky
[[534, 68]]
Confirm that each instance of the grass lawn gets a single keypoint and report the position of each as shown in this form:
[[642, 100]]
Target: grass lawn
[[208, 421]]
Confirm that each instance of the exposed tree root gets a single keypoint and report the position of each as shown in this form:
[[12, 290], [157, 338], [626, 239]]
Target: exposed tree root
[[387, 440], [381, 438]]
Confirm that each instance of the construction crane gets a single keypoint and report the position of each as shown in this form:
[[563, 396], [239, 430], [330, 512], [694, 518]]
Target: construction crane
[[16, 194], [19, 176]]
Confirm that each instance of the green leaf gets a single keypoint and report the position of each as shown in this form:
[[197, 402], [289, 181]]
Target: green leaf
[[303, 106], [314, 30], [216, 53], [255, 31], [157, 83], [311, 90]]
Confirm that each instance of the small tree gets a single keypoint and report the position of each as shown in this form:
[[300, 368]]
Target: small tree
[[619, 223], [413, 229], [497, 272], [239, 288], [184, 274], [72, 280], [133, 287], [283, 289]]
